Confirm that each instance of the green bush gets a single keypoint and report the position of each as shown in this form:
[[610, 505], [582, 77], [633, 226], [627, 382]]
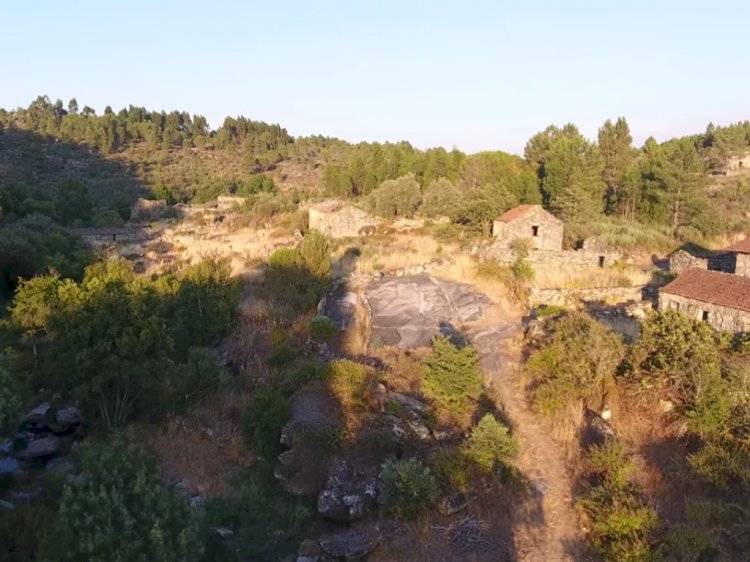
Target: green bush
[[10, 399], [263, 419], [490, 443], [199, 376], [623, 526], [522, 270], [268, 523], [407, 488], [452, 377], [122, 511], [323, 328], [680, 356], [350, 383], [576, 361], [396, 198]]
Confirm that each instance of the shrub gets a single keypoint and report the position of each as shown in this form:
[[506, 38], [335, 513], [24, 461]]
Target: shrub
[[123, 511], [263, 419], [623, 527], [577, 361], [407, 488], [490, 443], [680, 356], [322, 328], [281, 356], [268, 523], [522, 270], [396, 198], [452, 377], [351, 385], [200, 375], [10, 399]]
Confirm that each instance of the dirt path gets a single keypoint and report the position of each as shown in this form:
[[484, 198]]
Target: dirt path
[[547, 529]]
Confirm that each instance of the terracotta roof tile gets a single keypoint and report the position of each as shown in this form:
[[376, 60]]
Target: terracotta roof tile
[[712, 287], [741, 247], [515, 213]]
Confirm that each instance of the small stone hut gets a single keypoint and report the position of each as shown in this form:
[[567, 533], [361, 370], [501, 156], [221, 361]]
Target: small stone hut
[[741, 253], [737, 165], [721, 299], [531, 222], [341, 220]]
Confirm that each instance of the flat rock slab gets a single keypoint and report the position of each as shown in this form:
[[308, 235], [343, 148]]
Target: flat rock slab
[[409, 311]]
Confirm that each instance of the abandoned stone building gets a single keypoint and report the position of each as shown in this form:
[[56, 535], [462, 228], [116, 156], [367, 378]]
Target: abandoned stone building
[[741, 257], [341, 220], [734, 259], [532, 222], [721, 299]]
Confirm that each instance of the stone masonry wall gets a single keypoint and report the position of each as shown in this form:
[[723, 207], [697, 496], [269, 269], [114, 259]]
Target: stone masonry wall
[[564, 297], [742, 265], [720, 317], [343, 222], [553, 258]]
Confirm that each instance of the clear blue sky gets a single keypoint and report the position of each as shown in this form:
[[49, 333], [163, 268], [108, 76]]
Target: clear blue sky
[[476, 75]]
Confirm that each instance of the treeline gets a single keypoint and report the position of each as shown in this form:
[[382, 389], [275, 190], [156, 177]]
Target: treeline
[[112, 131]]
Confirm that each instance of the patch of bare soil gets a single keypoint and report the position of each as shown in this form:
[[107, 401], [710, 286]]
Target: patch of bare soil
[[549, 529]]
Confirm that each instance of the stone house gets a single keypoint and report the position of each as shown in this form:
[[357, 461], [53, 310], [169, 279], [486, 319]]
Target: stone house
[[741, 257], [737, 165], [721, 299], [342, 220], [531, 222]]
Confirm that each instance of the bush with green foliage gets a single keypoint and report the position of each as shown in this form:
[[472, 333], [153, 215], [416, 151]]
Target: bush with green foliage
[[407, 488], [10, 398], [576, 361], [298, 278], [350, 383], [268, 524], [259, 183], [263, 419], [396, 198], [322, 328], [108, 340], [122, 511], [73, 202], [452, 377], [680, 357], [490, 444], [623, 527]]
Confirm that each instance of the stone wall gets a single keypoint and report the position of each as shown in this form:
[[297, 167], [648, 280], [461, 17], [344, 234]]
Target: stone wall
[[565, 297], [720, 317], [540, 227], [550, 258], [742, 265], [340, 220], [727, 262]]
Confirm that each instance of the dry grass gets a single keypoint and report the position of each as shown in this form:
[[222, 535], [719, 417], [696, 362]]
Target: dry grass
[[197, 449], [585, 277], [387, 253]]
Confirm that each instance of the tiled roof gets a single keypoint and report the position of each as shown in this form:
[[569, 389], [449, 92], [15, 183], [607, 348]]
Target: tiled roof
[[712, 287], [741, 247], [515, 213]]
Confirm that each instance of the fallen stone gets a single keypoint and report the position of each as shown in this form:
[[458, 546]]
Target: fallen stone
[[6, 505], [346, 491], [62, 465], [69, 416], [8, 465], [38, 414], [310, 551], [597, 430], [44, 447], [6, 447], [352, 544], [223, 532], [407, 402], [419, 429]]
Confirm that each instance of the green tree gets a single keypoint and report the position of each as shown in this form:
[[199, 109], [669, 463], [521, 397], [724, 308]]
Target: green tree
[[452, 377], [73, 202], [396, 198], [122, 511], [490, 443], [407, 488], [617, 157], [265, 415], [10, 399]]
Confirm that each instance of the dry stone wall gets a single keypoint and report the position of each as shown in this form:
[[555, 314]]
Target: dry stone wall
[[720, 317], [552, 258], [565, 297]]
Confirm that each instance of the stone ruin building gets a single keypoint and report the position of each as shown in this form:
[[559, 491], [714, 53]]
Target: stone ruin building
[[544, 231], [721, 299], [531, 222], [337, 219], [735, 259]]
